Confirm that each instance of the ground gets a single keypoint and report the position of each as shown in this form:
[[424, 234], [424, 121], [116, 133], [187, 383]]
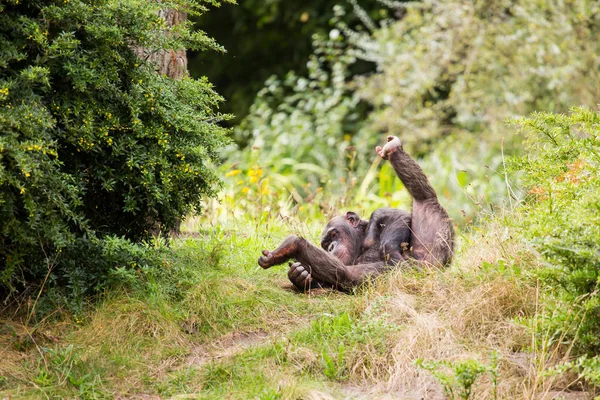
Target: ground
[[215, 325]]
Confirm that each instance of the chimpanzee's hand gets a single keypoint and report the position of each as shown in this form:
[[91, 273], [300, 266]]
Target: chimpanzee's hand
[[393, 144], [300, 276]]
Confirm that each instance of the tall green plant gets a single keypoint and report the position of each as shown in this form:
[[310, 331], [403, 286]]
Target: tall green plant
[[93, 140], [561, 219], [302, 126], [458, 378]]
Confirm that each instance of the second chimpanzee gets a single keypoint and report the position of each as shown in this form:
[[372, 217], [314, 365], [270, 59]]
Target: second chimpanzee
[[353, 249]]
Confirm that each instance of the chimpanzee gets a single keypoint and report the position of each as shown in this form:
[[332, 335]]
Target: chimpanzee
[[353, 249]]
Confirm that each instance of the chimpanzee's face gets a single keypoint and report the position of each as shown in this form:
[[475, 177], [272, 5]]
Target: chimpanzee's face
[[342, 237]]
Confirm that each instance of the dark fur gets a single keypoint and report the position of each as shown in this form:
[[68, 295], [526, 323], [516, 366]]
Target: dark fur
[[353, 249]]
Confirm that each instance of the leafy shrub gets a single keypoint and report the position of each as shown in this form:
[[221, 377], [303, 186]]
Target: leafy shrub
[[94, 142], [561, 219]]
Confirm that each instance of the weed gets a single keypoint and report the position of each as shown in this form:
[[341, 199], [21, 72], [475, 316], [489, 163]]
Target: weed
[[459, 377], [335, 368]]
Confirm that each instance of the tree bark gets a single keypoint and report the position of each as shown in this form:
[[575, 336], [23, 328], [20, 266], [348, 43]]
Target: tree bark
[[168, 62], [172, 64]]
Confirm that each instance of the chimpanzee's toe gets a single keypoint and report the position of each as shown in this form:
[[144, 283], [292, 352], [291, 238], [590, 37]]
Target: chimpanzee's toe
[[380, 152]]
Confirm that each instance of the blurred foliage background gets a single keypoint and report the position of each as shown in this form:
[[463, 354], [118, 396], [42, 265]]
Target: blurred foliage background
[[101, 152], [445, 76], [264, 38]]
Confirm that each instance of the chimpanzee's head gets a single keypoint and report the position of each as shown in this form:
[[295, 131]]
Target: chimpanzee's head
[[343, 237]]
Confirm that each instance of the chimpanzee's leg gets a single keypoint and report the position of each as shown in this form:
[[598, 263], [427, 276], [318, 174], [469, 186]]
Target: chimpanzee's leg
[[321, 265], [395, 241], [387, 234], [432, 239], [286, 251]]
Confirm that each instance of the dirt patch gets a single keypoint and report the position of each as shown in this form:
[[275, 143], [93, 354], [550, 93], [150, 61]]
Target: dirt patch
[[566, 395], [317, 292], [226, 347]]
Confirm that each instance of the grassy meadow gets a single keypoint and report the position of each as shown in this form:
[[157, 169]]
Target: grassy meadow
[[212, 324]]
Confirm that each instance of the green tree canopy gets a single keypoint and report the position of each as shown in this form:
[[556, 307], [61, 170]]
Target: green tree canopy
[[94, 141]]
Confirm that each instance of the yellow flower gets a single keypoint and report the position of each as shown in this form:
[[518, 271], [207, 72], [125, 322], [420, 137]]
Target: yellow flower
[[233, 173], [253, 179], [22, 190], [245, 190], [264, 189]]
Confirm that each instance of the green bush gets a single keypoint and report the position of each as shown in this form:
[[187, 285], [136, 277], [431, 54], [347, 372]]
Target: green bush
[[300, 127], [94, 142], [561, 219]]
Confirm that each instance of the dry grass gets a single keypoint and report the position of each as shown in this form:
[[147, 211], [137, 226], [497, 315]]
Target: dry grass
[[12, 336], [237, 333], [457, 314]]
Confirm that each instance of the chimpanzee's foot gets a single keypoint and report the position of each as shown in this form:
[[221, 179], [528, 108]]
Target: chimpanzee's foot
[[266, 260], [393, 144], [301, 278], [286, 251]]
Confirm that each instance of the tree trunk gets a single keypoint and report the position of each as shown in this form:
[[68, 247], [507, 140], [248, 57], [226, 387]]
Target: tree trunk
[[172, 64], [168, 62]]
